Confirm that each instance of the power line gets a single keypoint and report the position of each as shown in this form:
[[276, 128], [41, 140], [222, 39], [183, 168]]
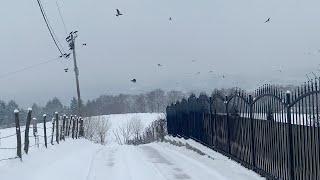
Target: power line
[[52, 34], [61, 17], [27, 68], [56, 40]]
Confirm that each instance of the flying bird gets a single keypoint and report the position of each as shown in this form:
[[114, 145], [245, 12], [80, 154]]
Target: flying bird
[[84, 44], [118, 13], [268, 20], [170, 18], [159, 65], [133, 80], [60, 56], [66, 69]]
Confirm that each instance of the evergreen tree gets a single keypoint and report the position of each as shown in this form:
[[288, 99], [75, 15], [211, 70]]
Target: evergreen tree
[[74, 106]]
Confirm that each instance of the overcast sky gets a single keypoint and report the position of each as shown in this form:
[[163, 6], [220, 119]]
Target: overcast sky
[[227, 37]]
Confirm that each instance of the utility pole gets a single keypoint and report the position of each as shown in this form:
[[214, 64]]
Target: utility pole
[[71, 39]]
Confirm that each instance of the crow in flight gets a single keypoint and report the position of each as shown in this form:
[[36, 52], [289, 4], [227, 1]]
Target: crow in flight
[[66, 69], [268, 20], [170, 18], [118, 13], [134, 80]]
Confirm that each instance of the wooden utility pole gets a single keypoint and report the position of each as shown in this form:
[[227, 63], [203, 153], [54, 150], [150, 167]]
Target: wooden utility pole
[[71, 39]]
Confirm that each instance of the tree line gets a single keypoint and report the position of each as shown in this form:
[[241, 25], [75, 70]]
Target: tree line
[[153, 101]]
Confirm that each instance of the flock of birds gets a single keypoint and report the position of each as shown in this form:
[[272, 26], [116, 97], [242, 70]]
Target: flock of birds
[[119, 13]]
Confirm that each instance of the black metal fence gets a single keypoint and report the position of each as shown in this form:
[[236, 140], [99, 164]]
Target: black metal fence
[[274, 133]]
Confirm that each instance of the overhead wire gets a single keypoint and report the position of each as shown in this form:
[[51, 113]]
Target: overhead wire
[[61, 17], [50, 27], [27, 68], [52, 34]]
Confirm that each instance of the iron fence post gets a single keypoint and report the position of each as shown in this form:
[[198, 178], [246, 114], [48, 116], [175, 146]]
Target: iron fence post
[[210, 120], [291, 168], [252, 132], [228, 125]]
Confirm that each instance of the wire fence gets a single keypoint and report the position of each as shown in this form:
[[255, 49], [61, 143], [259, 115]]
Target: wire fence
[[57, 132]]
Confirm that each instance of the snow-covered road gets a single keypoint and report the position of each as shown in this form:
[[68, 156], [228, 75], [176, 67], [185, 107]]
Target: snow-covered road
[[83, 160], [147, 162]]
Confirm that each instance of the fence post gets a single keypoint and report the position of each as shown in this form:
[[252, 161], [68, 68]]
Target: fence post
[[70, 124], [210, 122], [45, 130], [35, 131], [57, 126], [63, 127], [289, 125], [81, 133], [53, 126], [73, 126], [77, 127], [252, 132], [16, 115], [228, 125], [26, 133], [66, 127]]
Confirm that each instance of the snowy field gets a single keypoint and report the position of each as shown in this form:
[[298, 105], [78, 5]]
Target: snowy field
[[119, 120], [83, 160]]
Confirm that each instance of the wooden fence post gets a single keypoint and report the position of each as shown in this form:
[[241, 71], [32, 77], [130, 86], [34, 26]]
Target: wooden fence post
[[57, 126], [18, 132], [81, 133], [77, 127], [61, 130], [70, 124], [73, 127], [26, 133], [63, 127], [53, 126], [45, 130], [35, 131]]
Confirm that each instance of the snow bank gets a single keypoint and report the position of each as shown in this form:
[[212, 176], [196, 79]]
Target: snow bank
[[210, 158]]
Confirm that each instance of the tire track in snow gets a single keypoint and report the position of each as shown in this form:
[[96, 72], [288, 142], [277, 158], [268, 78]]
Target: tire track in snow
[[175, 155], [163, 165], [156, 169], [93, 157]]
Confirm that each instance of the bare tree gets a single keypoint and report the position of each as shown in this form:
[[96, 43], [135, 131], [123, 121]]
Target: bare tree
[[103, 127], [129, 131], [137, 126], [96, 128]]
